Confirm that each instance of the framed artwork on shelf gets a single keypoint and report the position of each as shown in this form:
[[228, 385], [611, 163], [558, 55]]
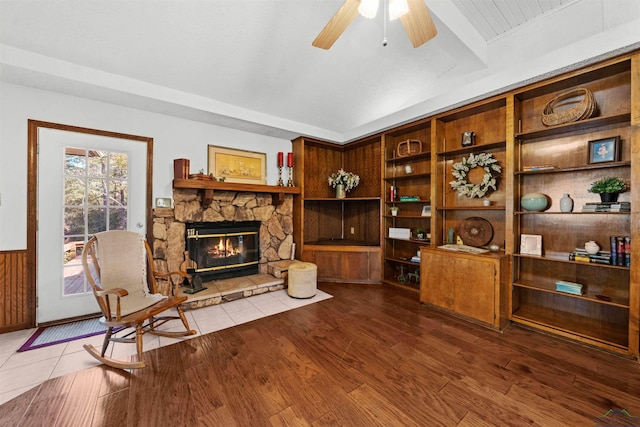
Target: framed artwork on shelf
[[426, 210], [240, 166], [163, 202], [531, 244], [604, 150]]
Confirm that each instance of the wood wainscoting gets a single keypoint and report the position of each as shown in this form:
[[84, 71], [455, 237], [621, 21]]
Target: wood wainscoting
[[353, 264], [15, 298]]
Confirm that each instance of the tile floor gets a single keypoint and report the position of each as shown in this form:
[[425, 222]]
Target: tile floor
[[19, 372]]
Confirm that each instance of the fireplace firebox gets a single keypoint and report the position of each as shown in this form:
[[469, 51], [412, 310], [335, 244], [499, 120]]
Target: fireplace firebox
[[219, 250]]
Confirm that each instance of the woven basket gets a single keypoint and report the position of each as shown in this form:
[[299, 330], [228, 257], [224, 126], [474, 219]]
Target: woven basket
[[409, 147], [580, 110]]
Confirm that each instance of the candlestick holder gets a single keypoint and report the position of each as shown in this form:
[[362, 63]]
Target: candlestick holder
[[290, 182], [280, 182]]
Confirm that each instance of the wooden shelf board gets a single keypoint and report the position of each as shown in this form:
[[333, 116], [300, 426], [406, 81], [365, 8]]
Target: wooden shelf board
[[408, 177], [408, 216], [424, 242], [569, 213], [572, 325], [538, 287], [402, 261], [575, 126], [470, 208], [410, 287], [574, 169], [204, 184], [564, 257], [334, 199], [398, 202], [473, 148], [411, 157]]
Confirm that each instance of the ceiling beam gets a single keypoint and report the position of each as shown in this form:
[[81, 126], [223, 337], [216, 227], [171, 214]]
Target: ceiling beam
[[460, 27]]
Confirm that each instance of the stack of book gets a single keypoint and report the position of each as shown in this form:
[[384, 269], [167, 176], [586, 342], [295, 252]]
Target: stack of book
[[409, 198], [581, 255], [607, 207], [537, 167], [621, 251], [569, 287]]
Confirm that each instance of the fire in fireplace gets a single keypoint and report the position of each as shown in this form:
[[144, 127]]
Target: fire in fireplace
[[219, 250]]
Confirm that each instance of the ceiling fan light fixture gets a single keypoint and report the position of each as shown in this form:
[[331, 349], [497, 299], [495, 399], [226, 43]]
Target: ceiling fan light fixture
[[368, 8], [397, 8]]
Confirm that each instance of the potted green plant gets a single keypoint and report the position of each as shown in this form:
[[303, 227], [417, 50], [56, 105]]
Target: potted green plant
[[394, 210], [608, 188], [420, 234]]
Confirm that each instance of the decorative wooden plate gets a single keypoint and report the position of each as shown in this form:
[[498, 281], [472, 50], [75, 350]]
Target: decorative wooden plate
[[475, 231]]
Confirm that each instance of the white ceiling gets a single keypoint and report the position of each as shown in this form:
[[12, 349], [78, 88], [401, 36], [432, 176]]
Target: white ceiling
[[249, 64]]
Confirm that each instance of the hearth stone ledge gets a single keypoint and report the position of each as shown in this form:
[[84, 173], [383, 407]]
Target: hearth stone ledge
[[225, 290], [276, 240]]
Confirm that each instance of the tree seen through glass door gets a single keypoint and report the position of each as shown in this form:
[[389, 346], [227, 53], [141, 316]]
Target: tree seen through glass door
[[95, 200]]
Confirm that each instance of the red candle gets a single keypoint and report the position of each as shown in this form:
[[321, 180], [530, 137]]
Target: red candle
[[280, 159], [290, 160]]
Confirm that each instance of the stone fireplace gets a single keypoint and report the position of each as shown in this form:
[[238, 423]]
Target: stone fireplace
[[169, 226]]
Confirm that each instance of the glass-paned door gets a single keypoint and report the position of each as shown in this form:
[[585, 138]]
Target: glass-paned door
[[86, 184]]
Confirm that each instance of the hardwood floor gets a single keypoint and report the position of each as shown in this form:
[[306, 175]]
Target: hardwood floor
[[370, 356]]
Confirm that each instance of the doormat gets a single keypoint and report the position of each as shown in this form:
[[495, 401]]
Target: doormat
[[56, 334]]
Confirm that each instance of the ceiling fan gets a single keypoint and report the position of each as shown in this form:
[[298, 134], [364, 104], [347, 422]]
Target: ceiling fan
[[416, 21]]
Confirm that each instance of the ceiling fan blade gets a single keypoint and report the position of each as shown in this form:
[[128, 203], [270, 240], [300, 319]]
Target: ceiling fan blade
[[337, 24], [418, 23]]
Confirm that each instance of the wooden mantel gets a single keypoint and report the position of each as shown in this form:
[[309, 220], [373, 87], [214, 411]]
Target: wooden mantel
[[209, 186]]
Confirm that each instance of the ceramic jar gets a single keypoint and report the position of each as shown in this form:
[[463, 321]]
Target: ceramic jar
[[566, 203], [591, 247]]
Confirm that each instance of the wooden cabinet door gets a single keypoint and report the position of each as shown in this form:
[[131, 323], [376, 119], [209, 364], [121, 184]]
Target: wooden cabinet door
[[474, 288], [436, 281], [464, 284]]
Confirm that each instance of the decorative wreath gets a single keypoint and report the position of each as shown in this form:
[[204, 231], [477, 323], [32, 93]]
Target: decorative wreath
[[489, 181]]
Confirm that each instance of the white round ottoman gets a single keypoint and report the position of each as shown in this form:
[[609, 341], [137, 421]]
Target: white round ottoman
[[302, 280]]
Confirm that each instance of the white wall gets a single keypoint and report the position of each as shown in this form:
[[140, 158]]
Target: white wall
[[173, 138]]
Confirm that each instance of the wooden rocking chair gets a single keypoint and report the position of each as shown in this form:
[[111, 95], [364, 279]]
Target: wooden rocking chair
[[119, 267]]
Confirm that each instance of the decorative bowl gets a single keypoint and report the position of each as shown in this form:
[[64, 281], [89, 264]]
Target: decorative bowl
[[536, 202]]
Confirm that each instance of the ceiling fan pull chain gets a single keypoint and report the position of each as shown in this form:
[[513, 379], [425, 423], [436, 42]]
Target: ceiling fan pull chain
[[386, 8]]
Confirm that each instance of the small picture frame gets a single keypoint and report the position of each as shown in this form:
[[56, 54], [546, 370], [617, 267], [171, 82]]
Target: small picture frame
[[531, 244], [426, 210], [604, 150], [468, 139], [163, 202]]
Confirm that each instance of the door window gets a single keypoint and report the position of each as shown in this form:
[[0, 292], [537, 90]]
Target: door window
[[96, 192]]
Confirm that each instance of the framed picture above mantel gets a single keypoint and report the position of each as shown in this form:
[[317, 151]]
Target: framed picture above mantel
[[240, 166]]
